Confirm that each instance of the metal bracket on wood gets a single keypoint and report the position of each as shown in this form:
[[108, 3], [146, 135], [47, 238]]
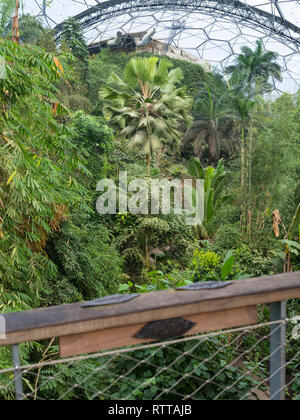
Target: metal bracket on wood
[[278, 352], [206, 285], [109, 300]]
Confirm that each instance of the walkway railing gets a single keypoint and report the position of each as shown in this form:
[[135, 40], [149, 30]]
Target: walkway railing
[[177, 344]]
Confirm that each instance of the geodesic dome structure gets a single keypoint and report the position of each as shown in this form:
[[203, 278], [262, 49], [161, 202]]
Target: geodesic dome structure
[[209, 30]]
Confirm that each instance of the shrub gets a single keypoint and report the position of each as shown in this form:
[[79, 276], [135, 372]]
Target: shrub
[[88, 264], [229, 237], [92, 133], [254, 260], [206, 265]]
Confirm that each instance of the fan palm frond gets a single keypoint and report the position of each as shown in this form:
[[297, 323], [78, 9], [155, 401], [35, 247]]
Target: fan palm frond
[[147, 103]]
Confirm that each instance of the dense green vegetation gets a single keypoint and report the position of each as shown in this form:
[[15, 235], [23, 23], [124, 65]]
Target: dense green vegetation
[[65, 125]]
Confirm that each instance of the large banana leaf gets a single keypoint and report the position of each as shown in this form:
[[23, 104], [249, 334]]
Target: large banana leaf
[[196, 169]]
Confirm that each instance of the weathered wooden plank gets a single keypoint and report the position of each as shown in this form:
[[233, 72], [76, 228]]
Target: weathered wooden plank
[[69, 319], [112, 338]]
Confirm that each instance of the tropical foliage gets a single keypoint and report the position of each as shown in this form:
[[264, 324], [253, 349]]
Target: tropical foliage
[[37, 186], [147, 105], [214, 131], [214, 186], [255, 68], [6, 11], [68, 120]]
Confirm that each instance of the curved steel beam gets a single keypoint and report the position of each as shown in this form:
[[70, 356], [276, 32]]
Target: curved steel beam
[[238, 11]]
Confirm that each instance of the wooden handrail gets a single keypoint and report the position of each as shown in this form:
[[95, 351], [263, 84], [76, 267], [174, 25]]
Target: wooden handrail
[[67, 320]]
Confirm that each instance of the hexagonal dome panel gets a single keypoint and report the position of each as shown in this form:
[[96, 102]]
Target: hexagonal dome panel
[[207, 30]]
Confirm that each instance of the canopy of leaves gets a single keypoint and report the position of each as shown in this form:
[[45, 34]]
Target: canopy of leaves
[[146, 104], [6, 12], [55, 248], [37, 186]]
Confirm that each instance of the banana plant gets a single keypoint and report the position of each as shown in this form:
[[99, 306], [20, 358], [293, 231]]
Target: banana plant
[[214, 178]]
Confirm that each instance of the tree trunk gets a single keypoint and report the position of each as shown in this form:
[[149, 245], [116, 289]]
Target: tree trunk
[[15, 26], [211, 149], [249, 169], [243, 161], [243, 179], [213, 143]]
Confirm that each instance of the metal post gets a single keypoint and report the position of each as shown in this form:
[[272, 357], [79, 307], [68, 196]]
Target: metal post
[[18, 372], [278, 352]]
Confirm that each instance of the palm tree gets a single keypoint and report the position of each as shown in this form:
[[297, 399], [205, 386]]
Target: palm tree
[[31, 30], [255, 67], [214, 124], [146, 104], [250, 75]]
